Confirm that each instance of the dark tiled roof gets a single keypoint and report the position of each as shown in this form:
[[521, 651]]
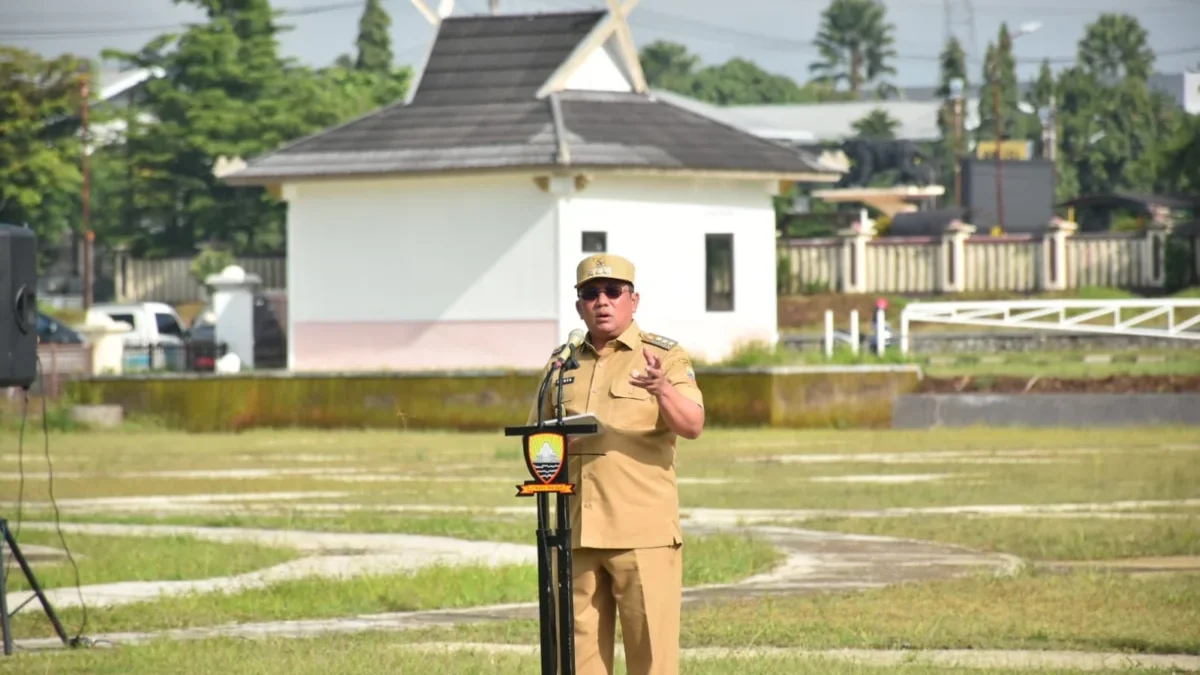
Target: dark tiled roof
[[600, 130], [499, 58], [632, 130], [477, 108], [402, 138]]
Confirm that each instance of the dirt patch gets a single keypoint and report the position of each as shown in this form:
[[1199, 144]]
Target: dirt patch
[[1162, 564], [1112, 384]]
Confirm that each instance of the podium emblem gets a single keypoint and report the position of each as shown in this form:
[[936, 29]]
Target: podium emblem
[[545, 457]]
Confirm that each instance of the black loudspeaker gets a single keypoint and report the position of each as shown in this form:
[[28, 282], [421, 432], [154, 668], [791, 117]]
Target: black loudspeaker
[[18, 306]]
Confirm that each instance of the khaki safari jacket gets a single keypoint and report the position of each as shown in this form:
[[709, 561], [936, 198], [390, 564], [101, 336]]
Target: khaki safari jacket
[[625, 485]]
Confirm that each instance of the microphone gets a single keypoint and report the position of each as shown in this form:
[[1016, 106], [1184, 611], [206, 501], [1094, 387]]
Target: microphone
[[574, 339]]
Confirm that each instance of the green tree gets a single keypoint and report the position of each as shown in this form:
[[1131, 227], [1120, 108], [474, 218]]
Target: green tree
[[876, 124], [1110, 135], [226, 93], [1181, 157], [1000, 76], [952, 64], [40, 148], [1115, 46], [1116, 133], [856, 43], [1041, 94], [374, 42], [1041, 98], [742, 82], [669, 66]]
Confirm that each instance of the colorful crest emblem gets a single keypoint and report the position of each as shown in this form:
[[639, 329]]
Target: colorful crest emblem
[[545, 457]]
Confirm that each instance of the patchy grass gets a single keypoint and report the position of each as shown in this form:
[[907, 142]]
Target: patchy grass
[[380, 653], [714, 559], [107, 559], [479, 526], [1032, 610], [433, 587], [776, 469], [1034, 538], [1082, 475], [1014, 467]]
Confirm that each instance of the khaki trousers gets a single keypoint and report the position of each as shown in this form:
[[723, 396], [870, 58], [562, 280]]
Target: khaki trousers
[[645, 588]]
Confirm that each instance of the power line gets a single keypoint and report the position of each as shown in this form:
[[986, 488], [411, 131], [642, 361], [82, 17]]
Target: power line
[[134, 30], [674, 24], [779, 43], [654, 20]]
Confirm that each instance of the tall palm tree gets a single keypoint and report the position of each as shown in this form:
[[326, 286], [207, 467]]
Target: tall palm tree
[[855, 42]]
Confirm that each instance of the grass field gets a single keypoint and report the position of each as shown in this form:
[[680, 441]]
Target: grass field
[[1083, 540]]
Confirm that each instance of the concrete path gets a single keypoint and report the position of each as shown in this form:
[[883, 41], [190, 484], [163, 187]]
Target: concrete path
[[814, 561], [951, 658], [329, 555]]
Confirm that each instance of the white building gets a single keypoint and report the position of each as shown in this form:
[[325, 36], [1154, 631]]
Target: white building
[[443, 232]]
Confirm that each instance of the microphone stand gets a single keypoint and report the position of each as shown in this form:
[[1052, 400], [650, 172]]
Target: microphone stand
[[566, 599], [559, 539]]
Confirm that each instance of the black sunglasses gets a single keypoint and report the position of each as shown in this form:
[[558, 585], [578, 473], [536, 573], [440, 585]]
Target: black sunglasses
[[613, 291]]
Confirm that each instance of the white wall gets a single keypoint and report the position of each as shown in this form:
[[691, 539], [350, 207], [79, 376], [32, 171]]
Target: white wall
[[421, 273], [600, 71], [421, 250], [660, 225]]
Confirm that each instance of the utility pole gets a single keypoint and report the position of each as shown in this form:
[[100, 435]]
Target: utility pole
[[1051, 138], [494, 7], [85, 96], [956, 93], [999, 135]]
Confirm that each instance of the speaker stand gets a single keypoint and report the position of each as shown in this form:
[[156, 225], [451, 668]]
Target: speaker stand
[[5, 617]]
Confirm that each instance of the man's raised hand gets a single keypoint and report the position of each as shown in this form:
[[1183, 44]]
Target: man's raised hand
[[654, 379]]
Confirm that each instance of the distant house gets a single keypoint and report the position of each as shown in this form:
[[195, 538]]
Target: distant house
[[443, 232]]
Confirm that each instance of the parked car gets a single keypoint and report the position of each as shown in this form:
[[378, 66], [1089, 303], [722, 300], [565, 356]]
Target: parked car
[[53, 331], [158, 338]]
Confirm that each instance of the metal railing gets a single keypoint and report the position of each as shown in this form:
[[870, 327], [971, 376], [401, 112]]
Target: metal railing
[[1158, 318]]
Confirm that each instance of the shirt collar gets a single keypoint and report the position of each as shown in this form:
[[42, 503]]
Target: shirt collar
[[630, 338]]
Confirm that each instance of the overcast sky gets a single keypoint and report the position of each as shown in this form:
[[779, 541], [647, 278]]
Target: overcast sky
[[777, 34]]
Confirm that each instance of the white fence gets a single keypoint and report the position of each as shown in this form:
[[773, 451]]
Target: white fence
[[1176, 318], [170, 280], [938, 264]]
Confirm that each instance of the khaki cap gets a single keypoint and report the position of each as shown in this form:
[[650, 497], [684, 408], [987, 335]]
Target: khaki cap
[[603, 266]]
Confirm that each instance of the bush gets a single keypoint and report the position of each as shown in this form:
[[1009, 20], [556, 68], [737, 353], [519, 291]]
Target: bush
[[211, 261]]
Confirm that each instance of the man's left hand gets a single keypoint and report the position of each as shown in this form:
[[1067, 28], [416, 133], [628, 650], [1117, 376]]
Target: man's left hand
[[654, 380]]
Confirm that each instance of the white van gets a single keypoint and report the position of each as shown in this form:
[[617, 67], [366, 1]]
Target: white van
[[157, 339]]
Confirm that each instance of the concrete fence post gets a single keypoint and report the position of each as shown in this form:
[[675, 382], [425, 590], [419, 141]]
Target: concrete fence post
[[854, 276], [1054, 276], [954, 245], [1154, 256]]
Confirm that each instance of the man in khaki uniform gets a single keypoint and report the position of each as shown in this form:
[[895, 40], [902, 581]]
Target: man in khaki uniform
[[626, 539]]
